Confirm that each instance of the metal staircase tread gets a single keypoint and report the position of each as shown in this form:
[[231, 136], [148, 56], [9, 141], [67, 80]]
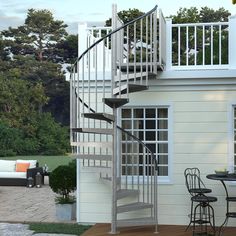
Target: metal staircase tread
[[115, 102], [92, 130], [99, 116], [133, 207], [131, 88], [132, 66], [136, 222], [122, 193], [94, 157], [132, 76], [92, 144]]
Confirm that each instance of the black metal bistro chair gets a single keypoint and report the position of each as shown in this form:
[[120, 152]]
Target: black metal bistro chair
[[202, 213]]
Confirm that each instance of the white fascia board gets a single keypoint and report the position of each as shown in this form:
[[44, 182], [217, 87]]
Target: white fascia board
[[196, 74]]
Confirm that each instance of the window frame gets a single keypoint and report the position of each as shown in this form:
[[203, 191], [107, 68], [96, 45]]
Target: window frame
[[161, 179], [231, 132]]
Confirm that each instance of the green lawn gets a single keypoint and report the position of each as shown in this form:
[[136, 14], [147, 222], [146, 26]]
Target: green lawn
[[51, 161], [58, 228]]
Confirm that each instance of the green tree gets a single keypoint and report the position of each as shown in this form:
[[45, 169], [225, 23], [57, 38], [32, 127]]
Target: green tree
[[38, 36], [67, 49]]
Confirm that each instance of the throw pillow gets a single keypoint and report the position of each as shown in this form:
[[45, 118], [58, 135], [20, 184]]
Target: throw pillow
[[22, 167]]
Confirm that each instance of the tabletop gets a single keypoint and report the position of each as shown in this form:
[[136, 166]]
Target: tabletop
[[228, 177]]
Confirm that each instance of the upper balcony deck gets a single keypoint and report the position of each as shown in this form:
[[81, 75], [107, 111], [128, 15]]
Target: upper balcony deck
[[201, 47]]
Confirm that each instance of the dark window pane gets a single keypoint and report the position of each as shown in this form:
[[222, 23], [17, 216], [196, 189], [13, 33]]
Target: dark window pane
[[162, 135], [138, 124], [150, 124], [152, 147], [139, 134], [126, 113], [162, 170], [162, 159], [234, 112], [151, 135], [126, 124], [162, 148], [138, 113], [150, 113], [162, 124], [162, 113]]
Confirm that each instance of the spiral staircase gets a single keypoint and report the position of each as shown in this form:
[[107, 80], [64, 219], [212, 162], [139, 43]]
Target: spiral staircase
[[99, 88]]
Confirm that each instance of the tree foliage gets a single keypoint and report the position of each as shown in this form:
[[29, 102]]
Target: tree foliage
[[38, 36], [33, 85]]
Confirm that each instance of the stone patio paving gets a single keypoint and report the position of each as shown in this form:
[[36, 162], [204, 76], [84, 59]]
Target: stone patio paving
[[21, 204]]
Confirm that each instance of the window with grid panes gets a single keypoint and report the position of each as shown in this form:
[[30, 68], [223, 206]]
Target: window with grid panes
[[151, 126]]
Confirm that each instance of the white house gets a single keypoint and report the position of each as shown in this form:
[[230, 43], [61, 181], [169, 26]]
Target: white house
[[177, 96]]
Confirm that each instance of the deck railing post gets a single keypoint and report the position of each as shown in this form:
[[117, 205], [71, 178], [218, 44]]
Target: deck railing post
[[82, 31], [232, 42], [168, 44]]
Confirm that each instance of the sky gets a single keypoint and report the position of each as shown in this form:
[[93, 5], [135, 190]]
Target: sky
[[13, 12]]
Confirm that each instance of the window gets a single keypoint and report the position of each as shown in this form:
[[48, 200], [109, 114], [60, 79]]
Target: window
[[151, 126]]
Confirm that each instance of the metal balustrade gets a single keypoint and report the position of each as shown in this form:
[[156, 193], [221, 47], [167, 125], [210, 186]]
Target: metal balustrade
[[105, 70]]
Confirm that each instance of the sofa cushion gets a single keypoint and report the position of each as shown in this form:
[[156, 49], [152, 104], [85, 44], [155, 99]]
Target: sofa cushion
[[22, 167], [32, 162], [21, 175], [7, 166]]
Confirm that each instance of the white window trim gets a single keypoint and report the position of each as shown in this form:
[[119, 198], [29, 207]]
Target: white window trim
[[161, 179], [231, 136]]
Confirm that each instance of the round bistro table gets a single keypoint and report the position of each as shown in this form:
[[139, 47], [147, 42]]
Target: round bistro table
[[223, 179]]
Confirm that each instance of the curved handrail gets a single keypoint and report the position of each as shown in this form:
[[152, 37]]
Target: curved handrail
[[111, 33], [140, 142], [92, 46]]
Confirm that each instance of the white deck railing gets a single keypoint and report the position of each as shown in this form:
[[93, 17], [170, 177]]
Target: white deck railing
[[200, 44], [196, 46], [189, 46]]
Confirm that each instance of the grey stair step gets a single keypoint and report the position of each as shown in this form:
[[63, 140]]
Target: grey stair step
[[94, 157], [138, 66], [92, 144], [133, 207], [122, 193], [93, 130], [99, 116], [136, 222], [132, 88], [115, 102], [133, 76]]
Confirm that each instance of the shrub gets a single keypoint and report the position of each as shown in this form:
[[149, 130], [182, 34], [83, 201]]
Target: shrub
[[63, 182]]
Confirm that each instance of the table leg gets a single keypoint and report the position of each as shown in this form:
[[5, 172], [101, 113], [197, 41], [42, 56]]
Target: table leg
[[227, 209]]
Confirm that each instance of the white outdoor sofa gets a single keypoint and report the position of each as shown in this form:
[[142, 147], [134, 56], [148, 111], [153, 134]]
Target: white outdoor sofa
[[16, 173]]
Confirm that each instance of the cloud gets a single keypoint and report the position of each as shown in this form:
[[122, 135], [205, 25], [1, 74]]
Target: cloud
[[7, 21]]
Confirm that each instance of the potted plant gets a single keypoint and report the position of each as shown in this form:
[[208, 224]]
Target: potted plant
[[63, 182]]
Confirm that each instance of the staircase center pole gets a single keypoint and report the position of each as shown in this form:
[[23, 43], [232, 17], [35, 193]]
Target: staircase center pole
[[114, 138], [114, 176]]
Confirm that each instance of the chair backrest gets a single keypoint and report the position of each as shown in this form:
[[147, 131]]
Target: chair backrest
[[193, 181]]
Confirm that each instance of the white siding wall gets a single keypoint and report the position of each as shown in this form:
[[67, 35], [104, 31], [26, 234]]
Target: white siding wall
[[200, 138]]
